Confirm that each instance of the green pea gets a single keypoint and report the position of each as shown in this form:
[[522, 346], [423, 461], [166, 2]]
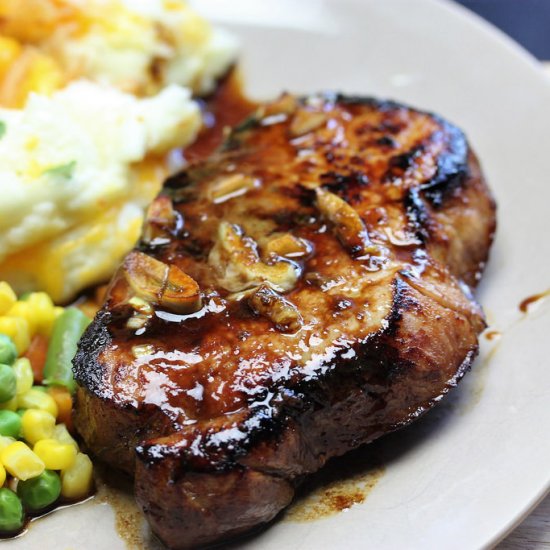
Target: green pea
[[8, 351], [39, 492], [7, 383], [12, 517], [10, 424]]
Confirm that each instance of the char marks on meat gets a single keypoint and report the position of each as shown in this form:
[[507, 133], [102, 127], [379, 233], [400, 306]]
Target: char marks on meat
[[303, 291]]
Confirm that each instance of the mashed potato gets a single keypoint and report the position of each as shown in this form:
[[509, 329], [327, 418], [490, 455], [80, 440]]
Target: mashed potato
[[94, 95], [72, 184]]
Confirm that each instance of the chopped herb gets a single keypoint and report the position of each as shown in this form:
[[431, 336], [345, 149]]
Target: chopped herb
[[3, 128], [62, 170]]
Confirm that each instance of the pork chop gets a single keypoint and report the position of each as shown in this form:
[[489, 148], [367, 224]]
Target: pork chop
[[302, 292]]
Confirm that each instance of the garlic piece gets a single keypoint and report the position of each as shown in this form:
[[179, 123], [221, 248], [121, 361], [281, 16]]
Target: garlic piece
[[229, 187], [141, 306], [159, 220], [306, 121], [159, 283], [283, 313], [136, 322], [288, 246], [235, 258], [285, 105], [348, 225]]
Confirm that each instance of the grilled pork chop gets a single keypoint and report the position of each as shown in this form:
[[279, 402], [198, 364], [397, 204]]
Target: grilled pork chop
[[302, 292]]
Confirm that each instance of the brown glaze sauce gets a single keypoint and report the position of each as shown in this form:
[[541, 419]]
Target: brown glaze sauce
[[493, 335], [526, 304], [226, 107]]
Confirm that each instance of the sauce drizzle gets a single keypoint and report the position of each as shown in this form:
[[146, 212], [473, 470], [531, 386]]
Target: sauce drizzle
[[343, 483], [525, 304]]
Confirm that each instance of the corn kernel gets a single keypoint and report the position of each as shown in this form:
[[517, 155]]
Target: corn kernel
[[23, 375], [62, 434], [2, 475], [44, 312], [55, 455], [25, 311], [5, 441], [20, 461], [76, 481], [37, 399], [7, 295], [37, 425], [17, 329]]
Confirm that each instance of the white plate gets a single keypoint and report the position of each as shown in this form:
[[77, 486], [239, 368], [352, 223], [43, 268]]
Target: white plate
[[466, 473]]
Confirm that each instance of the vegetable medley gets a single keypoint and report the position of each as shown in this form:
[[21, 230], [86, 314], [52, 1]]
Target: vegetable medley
[[40, 462]]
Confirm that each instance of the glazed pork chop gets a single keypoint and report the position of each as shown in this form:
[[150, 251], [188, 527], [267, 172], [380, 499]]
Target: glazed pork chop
[[302, 292]]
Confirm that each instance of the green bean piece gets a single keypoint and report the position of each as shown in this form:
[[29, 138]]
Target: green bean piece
[[10, 424], [67, 330], [12, 516], [8, 383], [8, 351], [39, 492]]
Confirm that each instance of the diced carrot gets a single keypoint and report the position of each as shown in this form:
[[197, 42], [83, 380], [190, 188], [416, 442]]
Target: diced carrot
[[36, 354], [64, 402]]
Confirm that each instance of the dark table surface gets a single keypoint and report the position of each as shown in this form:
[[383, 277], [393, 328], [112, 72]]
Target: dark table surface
[[527, 21]]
